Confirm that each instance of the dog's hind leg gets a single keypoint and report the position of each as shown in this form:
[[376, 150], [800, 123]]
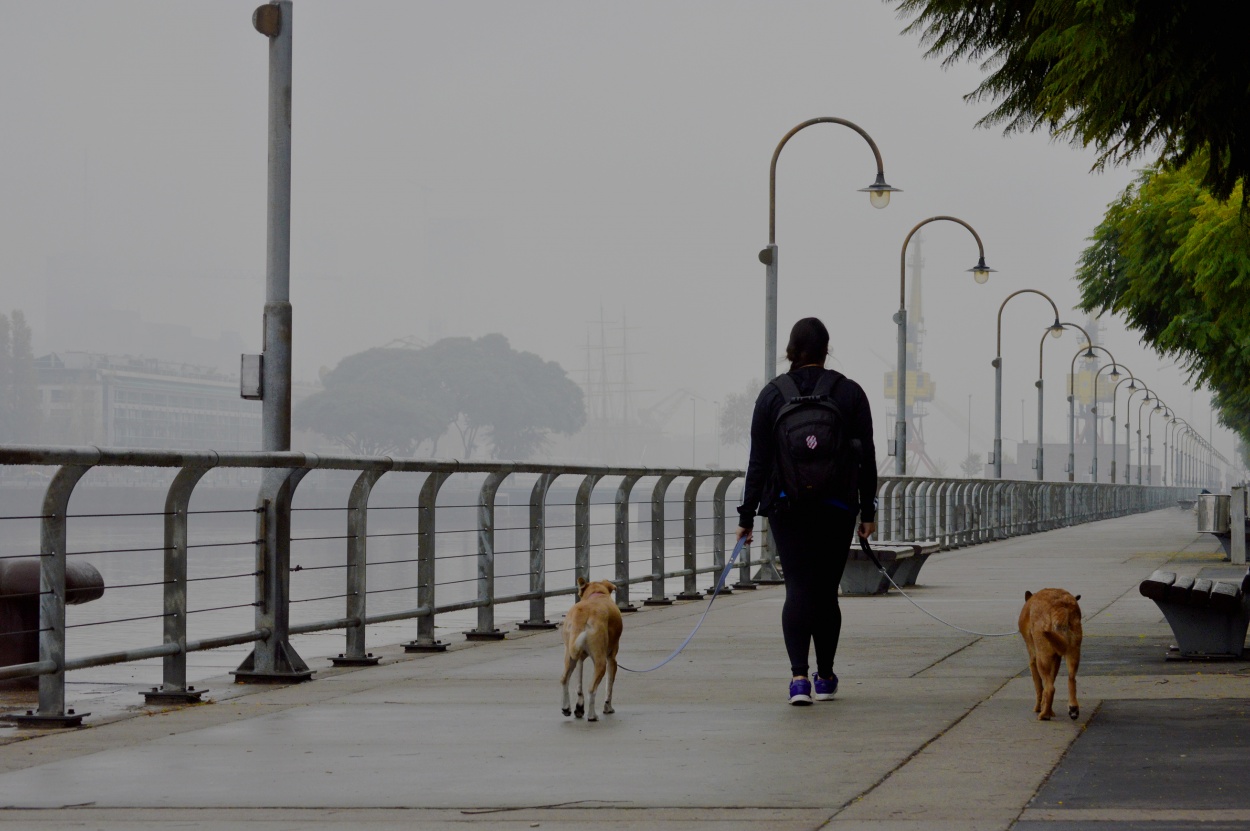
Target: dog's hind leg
[[600, 666], [607, 701], [580, 710], [1050, 673], [564, 686], [1074, 661]]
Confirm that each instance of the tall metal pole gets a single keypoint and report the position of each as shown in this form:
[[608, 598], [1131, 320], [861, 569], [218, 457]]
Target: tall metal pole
[[879, 194], [980, 272], [275, 22], [998, 375]]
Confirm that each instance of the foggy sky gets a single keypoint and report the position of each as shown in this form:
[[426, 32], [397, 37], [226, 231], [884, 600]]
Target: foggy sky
[[530, 167]]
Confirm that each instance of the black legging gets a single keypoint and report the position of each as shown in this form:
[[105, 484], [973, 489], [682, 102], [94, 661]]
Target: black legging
[[812, 545]]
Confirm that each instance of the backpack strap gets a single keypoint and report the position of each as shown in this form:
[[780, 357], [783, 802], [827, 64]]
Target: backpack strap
[[827, 383], [785, 384]]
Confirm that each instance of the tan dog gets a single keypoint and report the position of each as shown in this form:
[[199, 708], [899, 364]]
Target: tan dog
[[592, 628], [1051, 625]]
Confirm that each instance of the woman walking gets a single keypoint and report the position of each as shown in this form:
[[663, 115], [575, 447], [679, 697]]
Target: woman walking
[[811, 535]]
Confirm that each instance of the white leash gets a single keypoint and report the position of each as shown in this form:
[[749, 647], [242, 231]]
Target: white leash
[[863, 543], [719, 583]]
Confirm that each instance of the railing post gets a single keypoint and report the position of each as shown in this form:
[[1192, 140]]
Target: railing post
[[427, 516], [173, 686], [690, 522], [622, 541], [538, 555], [486, 630], [581, 527], [357, 569], [52, 542], [274, 660], [657, 597]]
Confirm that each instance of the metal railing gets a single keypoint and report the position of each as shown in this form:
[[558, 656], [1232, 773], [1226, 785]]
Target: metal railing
[[949, 512]]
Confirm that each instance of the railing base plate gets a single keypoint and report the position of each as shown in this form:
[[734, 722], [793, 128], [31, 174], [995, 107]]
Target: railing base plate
[[528, 625], [368, 660], [657, 601], [33, 719], [492, 635], [250, 677], [690, 596], [746, 585], [417, 646], [723, 590], [162, 696]]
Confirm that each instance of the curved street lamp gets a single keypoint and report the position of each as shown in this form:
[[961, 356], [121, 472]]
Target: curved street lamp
[[1115, 373], [980, 273], [1055, 329], [1141, 404], [1132, 385], [1038, 383], [1150, 449], [1128, 440], [1168, 455], [1086, 352], [878, 194]]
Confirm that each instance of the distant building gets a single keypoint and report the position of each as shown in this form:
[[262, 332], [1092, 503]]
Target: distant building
[[129, 402]]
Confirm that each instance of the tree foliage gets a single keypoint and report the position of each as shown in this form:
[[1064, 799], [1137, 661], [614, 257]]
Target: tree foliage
[[1125, 77], [1174, 261], [735, 415], [385, 401]]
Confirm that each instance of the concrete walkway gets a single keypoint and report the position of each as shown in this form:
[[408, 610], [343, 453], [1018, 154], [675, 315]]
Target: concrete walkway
[[932, 728]]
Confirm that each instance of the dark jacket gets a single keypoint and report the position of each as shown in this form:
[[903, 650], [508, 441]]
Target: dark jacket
[[858, 490]]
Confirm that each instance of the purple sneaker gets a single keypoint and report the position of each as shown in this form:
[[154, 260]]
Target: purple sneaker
[[800, 692], [825, 687]]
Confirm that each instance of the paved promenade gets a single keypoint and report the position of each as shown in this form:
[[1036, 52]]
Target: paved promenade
[[932, 728]]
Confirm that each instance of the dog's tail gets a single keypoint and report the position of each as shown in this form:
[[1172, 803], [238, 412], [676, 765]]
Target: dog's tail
[[579, 644], [1058, 639]]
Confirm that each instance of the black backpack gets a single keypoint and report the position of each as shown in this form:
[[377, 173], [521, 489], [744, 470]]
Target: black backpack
[[810, 433]]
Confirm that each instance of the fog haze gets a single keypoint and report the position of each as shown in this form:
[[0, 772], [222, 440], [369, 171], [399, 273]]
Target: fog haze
[[537, 169]]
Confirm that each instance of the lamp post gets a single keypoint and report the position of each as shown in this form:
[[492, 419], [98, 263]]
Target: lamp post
[[1150, 448], [1115, 373], [1128, 439], [1086, 352], [879, 195], [1169, 454], [1052, 332], [980, 273], [1132, 385], [1055, 328], [1141, 404]]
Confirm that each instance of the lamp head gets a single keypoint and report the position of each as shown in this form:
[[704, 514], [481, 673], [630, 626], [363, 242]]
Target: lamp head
[[1115, 371], [981, 271], [1056, 329], [879, 192], [1089, 354], [1132, 383]]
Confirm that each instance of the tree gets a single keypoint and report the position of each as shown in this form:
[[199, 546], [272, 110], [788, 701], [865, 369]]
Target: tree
[[395, 400], [972, 466], [735, 416], [1174, 261], [1126, 77]]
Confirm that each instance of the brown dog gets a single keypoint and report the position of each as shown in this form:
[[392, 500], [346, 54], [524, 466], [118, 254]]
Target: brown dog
[[1051, 625], [592, 628]]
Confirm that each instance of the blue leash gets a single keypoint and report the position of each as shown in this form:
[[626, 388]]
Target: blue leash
[[719, 584]]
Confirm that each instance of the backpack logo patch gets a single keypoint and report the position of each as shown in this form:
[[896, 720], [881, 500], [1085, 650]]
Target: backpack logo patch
[[811, 442]]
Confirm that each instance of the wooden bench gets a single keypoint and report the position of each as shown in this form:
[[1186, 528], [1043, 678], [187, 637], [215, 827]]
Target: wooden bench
[[901, 560], [1208, 617]]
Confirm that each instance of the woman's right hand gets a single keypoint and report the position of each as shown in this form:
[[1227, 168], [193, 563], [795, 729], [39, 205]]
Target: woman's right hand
[[744, 532]]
